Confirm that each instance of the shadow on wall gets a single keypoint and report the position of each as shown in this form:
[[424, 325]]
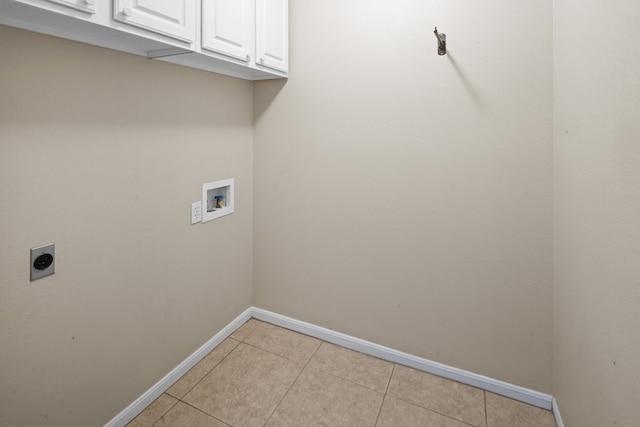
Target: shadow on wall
[[109, 87], [473, 93], [269, 91]]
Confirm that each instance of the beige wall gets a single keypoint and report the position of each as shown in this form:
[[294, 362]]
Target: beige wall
[[103, 153], [406, 198], [597, 212]]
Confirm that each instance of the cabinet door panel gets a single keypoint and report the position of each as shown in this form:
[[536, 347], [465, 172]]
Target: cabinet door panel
[[272, 34], [227, 27], [172, 18], [88, 6]]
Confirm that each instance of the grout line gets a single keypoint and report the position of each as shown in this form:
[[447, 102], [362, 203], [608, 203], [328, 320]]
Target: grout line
[[276, 354], [452, 380], [281, 355], [486, 416], [339, 377], [352, 381], [384, 398], [163, 414], [350, 349], [208, 372], [425, 408], [291, 330], [243, 325], [432, 411], [386, 390], [345, 380], [294, 381], [206, 413]]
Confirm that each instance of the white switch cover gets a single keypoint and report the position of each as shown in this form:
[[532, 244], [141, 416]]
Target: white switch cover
[[196, 212]]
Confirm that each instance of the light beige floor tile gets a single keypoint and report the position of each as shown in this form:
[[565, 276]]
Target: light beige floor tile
[[183, 415], [396, 413], [353, 366], [280, 341], [505, 412], [245, 388], [450, 398], [245, 330], [202, 368], [153, 412], [320, 399]]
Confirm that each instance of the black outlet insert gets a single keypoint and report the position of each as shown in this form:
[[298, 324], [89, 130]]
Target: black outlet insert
[[43, 262]]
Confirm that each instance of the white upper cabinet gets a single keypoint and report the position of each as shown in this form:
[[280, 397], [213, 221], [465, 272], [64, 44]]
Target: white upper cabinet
[[272, 34], [88, 6], [247, 39], [171, 18], [228, 27]]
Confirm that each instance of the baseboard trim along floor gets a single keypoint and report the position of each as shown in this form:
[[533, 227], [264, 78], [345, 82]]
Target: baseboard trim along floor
[[556, 413], [489, 384], [521, 394]]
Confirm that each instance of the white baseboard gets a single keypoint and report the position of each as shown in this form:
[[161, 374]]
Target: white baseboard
[[489, 384], [521, 394], [131, 411], [556, 414]]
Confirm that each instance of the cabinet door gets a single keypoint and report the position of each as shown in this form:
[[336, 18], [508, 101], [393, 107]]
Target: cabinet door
[[88, 6], [228, 27], [272, 34], [172, 18]]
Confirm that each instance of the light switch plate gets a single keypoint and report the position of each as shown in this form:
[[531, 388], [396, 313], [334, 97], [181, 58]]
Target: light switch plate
[[196, 212], [43, 261]]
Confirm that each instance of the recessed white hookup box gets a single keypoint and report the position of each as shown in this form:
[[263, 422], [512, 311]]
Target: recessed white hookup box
[[217, 199]]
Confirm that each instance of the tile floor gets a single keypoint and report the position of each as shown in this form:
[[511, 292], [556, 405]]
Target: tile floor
[[264, 375]]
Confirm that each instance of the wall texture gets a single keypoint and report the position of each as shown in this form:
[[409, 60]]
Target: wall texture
[[406, 198], [103, 153], [597, 212]]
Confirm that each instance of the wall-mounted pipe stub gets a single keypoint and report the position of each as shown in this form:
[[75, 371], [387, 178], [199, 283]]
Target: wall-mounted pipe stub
[[442, 42]]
